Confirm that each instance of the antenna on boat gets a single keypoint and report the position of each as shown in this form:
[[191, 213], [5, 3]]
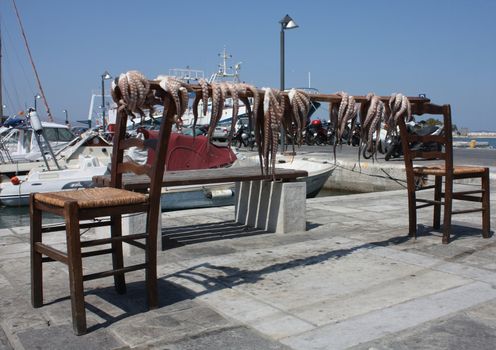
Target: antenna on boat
[[223, 69], [35, 122]]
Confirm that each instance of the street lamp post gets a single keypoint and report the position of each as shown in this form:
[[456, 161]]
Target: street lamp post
[[286, 23], [36, 97], [66, 116], [105, 76]]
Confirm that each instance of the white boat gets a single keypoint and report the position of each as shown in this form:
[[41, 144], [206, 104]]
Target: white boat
[[20, 151], [15, 191], [201, 196], [87, 156]]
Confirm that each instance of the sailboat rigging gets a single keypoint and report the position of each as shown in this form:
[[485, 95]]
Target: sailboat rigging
[[49, 114]]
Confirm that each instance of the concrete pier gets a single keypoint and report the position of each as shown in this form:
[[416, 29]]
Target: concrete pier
[[351, 279]]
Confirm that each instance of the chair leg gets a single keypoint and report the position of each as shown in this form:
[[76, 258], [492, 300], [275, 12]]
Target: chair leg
[[36, 257], [437, 197], [75, 265], [117, 256], [151, 260], [448, 203], [486, 222], [412, 213]]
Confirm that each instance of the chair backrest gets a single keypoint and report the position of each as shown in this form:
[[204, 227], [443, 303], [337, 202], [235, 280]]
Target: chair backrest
[[154, 170], [445, 139]]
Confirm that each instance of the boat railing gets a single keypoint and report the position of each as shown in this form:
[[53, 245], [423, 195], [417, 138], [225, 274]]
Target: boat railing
[[5, 156]]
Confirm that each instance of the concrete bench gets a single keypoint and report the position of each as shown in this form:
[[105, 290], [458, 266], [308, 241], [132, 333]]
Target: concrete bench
[[271, 203]]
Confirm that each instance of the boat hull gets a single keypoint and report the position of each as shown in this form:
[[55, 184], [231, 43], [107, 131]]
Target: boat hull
[[36, 181], [205, 196]]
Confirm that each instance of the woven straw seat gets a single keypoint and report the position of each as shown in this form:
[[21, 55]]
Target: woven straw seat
[[441, 170], [443, 195], [92, 197]]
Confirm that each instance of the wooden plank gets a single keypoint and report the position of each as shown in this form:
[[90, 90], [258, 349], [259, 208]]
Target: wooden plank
[[204, 176]]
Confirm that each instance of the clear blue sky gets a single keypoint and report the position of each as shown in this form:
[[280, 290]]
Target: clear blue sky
[[444, 48]]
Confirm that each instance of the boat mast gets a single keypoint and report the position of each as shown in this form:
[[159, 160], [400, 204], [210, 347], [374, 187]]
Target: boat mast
[[49, 114], [1, 85]]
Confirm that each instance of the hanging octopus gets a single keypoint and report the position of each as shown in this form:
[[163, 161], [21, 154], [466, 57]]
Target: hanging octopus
[[300, 106], [234, 91], [400, 108], [179, 93], [273, 113], [374, 113], [217, 107], [256, 125], [204, 98], [130, 91], [340, 116]]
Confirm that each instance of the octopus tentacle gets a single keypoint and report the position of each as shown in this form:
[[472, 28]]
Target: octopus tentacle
[[295, 110], [216, 97], [333, 115], [302, 101], [399, 108], [233, 90], [196, 101], [204, 88], [266, 129]]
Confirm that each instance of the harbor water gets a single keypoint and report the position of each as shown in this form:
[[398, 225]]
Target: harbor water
[[491, 141]]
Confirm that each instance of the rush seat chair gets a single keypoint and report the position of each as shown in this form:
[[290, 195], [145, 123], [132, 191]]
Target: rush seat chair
[[443, 169], [112, 202]]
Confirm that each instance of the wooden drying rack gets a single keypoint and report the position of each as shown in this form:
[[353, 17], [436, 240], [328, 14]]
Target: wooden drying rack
[[414, 100]]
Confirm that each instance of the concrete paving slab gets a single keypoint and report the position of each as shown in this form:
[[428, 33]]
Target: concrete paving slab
[[393, 319], [239, 338], [62, 337], [458, 332], [353, 279]]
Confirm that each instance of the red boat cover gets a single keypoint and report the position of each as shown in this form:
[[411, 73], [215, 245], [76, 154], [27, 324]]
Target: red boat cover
[[187, 152]]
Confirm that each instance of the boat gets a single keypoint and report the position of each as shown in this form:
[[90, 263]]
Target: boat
[[16, 191], [20, 150], [89, 155], [214, 195], [185, 152]]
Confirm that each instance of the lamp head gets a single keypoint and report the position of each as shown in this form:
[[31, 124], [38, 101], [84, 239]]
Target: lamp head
[[106, 75], [288, 23]]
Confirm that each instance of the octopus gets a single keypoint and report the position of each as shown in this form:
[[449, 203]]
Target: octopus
[[217, 105], [204, 98], [299, 102], [179, 94], [130, 91], [340, 117], [244, 91], [273, 113], [400, 108], [234, 90], [375, 113]]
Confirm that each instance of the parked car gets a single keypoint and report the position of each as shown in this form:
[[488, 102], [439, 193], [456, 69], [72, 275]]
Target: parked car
[[223, 128]]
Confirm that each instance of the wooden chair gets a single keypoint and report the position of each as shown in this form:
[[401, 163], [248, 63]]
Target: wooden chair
[[88, 204], [443, 168]]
